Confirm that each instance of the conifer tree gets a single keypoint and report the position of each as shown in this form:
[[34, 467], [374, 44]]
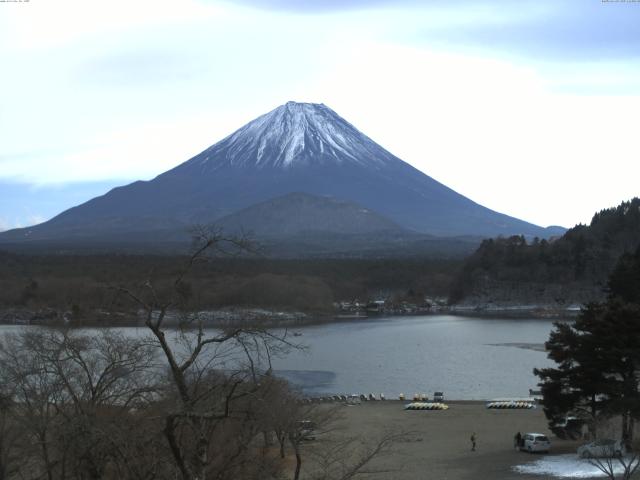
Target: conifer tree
[[598, 356]]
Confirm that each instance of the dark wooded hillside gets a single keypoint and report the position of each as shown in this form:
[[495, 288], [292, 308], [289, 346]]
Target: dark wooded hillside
[[572, 268], [81, 283]]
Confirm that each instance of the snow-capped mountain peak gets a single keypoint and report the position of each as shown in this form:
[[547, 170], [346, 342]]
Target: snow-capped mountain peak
[[301, 148], [295, 134]]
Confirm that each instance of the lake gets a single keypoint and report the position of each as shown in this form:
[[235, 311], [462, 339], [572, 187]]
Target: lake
[[467, 358]]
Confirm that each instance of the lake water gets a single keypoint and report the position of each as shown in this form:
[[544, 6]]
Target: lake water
[[466, 358]]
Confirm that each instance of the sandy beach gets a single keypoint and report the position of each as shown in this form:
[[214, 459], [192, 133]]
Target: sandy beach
[[439, 445]]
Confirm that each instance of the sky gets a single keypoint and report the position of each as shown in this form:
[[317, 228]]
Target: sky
[[526, 107]]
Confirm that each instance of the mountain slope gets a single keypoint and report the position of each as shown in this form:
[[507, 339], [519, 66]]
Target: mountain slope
[[297, 213], [299, 225], [572, 269], [297, 147]]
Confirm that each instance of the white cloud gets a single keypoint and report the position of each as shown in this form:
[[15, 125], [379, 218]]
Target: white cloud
[[8, 224], [35, 219], [493, 130], [48, 25], [136, 152], [509, 135]]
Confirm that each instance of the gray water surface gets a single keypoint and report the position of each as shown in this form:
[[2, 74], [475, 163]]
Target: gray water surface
[[467, 358]]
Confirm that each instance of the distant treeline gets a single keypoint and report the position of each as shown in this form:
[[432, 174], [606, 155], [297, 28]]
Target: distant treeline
[[83, 283], [569, 269], [180, 401], [576, 264]]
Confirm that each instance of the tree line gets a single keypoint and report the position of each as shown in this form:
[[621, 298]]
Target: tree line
[[183, 402], [597, 357], [580, 260], [81, 284]]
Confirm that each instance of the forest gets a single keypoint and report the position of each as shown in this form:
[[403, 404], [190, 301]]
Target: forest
[[571, 268], [505, 270], [83, 284], [174, 402]]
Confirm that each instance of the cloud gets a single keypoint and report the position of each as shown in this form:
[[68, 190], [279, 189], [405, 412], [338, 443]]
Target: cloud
[[491, 129], [571, 30], [8, 224], [128, 68], [35, 219], [50, 25], [129, 153], [472, 92], [319, 6], [23, 204]]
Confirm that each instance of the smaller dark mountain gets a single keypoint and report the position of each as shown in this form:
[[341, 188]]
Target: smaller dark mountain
[[570, 269], [299, 213], [297, 147], [295, 225], [553, 231], [375, 245], [300, 225]]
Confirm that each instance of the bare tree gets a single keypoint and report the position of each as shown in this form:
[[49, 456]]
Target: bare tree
[[345, 458], [36, 394], [315, 434], [10, 438], [615, 467], [185, 401], [214, 373], [73, 394], [304, 422]]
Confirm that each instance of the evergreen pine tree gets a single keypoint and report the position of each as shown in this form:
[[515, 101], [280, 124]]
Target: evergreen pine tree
[[598, 356]]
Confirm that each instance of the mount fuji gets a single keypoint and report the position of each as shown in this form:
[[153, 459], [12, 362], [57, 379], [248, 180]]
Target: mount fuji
[[300, 148]]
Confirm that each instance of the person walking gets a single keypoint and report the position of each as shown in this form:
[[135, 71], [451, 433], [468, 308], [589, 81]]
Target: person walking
[[517, 440], [473, 442]]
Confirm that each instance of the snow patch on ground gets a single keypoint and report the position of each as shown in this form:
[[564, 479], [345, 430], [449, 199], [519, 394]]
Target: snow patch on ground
[[563, 466]]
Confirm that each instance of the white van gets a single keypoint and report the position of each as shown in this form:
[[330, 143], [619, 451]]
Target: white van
[[535, 442]]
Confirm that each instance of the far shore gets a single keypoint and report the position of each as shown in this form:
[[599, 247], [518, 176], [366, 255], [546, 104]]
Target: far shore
[[250, 316]]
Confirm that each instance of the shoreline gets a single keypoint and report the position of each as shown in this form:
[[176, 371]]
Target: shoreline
[[238, 317], [474, 402], [446, 401], [241, 316]]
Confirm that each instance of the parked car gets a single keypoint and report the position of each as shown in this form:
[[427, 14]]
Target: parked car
[[604, 447], [569, 427], [438, 396], [306, 429], [535, 442]]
